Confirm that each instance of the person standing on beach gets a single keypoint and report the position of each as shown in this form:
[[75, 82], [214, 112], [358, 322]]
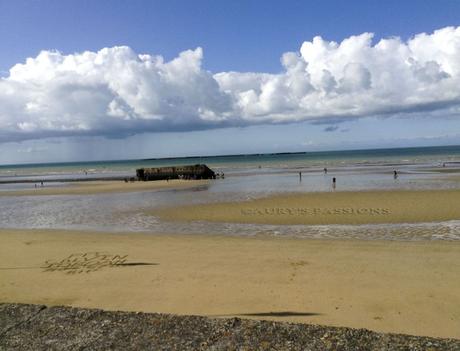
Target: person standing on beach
[[333, 183]]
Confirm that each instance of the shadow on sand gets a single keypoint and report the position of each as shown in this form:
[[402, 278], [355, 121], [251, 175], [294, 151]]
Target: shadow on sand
[[272, 314], [136, 264]]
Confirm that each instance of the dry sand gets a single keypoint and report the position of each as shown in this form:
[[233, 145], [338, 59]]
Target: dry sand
[[96, 187], [360, 207], [406, 287]]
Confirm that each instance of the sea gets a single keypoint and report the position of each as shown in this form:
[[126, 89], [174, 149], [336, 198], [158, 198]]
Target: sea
[[245, 177]]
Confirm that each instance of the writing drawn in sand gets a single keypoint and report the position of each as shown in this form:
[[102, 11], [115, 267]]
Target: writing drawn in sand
[[84, 263]]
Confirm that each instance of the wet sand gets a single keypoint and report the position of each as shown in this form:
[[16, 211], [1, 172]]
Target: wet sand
[[358, 207], [404, 287], [97, 187]]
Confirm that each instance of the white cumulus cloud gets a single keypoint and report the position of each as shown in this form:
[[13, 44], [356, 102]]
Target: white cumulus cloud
[[116, 92]]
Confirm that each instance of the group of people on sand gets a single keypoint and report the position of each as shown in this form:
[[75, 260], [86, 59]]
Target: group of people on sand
[[334, 179]]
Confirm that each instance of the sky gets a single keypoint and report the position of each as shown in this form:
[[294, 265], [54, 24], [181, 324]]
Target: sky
[[94, 80]]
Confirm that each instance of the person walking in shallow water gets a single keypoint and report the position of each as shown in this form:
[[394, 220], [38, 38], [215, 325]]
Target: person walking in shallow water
[[333, 183], [300, 176], [325, 170], [395, 174]]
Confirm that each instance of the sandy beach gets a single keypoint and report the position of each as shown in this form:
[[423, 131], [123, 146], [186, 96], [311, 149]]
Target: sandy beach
[[99, 187], [347, 207], [405, 287], [387, 286]]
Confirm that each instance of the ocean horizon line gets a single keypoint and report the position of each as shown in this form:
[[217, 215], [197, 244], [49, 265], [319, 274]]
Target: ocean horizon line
[[169, 158]]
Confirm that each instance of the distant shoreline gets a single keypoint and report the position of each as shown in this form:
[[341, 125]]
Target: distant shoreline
[[99, 186], [361, 151], [62, 180], [430, 150]]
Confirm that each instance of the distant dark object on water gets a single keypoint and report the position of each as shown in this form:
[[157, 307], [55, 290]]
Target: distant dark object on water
[[179, 172]]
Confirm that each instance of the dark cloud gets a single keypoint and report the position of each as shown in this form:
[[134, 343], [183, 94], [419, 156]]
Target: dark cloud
[[331, 129]]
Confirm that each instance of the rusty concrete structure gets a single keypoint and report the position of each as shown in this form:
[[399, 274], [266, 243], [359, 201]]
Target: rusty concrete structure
[[199, 171]]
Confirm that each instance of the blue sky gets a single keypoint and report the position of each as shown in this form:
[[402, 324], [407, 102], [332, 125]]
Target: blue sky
[[235, 36], [240, 35]]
